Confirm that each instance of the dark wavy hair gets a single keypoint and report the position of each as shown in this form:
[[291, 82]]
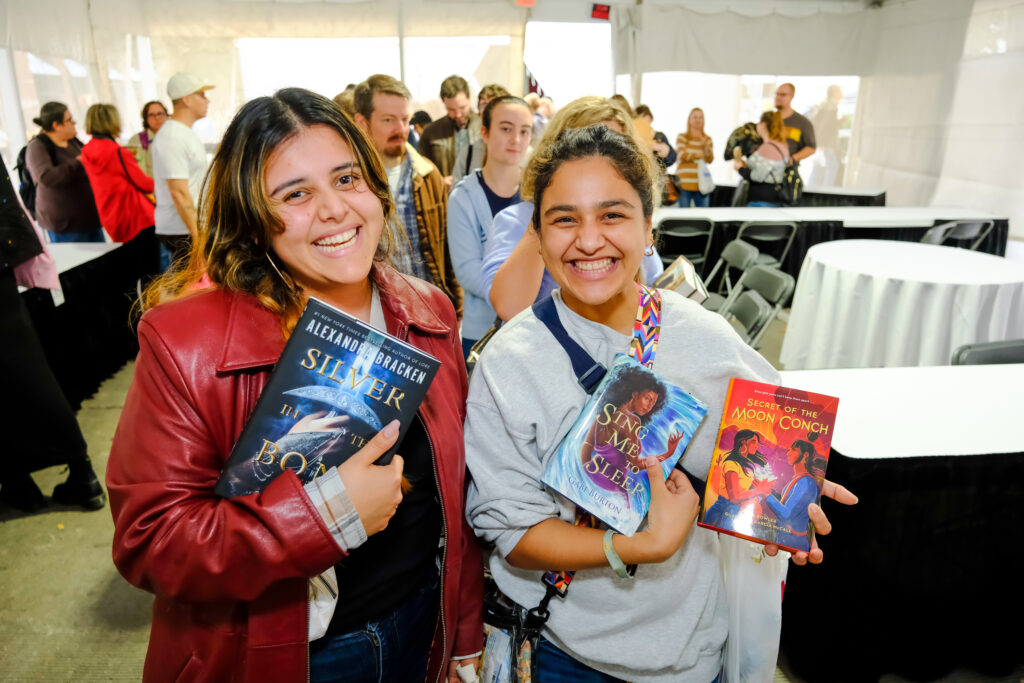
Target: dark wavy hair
[[814, 463], [488, 111], [621, 151], [236, 219], [751, 461], [632, 380]]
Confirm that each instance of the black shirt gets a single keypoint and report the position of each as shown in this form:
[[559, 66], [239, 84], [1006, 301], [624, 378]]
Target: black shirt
[[392, 564], [496, 202]]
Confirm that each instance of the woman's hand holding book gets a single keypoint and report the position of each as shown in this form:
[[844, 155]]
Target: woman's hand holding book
[[822, 526], [375, 490], [673, 510]]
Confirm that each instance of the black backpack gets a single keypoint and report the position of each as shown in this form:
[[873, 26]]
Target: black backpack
[[27, 187]]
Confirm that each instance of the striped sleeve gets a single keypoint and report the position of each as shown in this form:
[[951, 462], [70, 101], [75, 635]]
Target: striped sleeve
[[329, 497]]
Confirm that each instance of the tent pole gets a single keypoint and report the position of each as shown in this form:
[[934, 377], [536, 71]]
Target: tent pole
[[401, 41]]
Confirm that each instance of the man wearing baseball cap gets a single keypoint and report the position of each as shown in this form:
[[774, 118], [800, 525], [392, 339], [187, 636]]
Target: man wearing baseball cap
[[179, 164]]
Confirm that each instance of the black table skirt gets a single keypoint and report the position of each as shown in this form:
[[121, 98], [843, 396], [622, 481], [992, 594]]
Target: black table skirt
[[919, 578], [722, 196], [90, 336], [810, 233]]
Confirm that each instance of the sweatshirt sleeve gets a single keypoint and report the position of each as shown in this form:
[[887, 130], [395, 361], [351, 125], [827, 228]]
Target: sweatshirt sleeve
[[45, 173], [505, 496]]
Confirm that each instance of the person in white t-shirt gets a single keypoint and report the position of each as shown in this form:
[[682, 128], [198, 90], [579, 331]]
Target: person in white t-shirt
[[179, 164]]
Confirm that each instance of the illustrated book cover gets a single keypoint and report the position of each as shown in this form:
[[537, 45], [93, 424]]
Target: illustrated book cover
[[337, 383], [631, 415], [682, 277], [769, 463]]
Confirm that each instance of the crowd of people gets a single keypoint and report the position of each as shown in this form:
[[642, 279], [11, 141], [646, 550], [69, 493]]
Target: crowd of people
[[438, 243]]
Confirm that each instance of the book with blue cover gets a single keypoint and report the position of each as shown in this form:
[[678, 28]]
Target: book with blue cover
[[337, 383], [631, 415]]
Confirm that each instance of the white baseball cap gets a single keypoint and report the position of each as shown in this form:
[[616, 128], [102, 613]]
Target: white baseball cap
[[183, 83]]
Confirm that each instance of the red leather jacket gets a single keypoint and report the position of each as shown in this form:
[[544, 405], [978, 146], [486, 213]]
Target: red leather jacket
[[230, 575]]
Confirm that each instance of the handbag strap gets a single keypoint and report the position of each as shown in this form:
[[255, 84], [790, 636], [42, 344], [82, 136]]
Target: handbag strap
[[589, 373]]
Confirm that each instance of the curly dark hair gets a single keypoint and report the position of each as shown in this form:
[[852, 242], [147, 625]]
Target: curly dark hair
[[621, 151], [633, 380]]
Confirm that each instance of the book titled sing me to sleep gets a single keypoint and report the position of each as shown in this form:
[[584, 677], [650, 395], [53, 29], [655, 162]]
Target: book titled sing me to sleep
[[772, 450], [631, 415], [337, 383]]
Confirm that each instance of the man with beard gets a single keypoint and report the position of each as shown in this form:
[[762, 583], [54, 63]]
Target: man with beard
[[383, 111]]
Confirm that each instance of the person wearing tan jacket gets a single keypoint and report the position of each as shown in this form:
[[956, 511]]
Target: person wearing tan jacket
[[383, 110]]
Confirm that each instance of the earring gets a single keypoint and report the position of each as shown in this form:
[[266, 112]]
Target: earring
[[286, 281], [649, 249]]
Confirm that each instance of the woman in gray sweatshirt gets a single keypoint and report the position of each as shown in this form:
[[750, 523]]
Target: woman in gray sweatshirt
[[594, 194]]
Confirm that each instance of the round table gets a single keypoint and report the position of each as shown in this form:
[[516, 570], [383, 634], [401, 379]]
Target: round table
[[873, 303]]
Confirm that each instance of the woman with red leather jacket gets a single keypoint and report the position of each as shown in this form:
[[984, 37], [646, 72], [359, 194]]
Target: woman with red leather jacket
[[296, 204]]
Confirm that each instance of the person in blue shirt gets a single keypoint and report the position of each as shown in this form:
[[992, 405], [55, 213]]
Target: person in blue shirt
[[506, 130], [791, 506], [512, 271]]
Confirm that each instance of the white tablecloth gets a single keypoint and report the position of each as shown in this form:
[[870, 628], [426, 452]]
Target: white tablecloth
[[865, 303], [912, 412]]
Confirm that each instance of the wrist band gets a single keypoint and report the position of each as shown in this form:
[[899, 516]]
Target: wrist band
[[613, 557]]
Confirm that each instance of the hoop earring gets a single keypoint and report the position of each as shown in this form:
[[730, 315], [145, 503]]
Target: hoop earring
[[649, 250], [277, 270]]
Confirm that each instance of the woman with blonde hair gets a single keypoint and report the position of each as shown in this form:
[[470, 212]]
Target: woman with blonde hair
[[765, 166], [692, 146], [124, 194], [295, 205], [512, 269]]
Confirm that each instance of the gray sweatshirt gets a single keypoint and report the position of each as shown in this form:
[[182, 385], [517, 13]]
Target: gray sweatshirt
[[669, 622]]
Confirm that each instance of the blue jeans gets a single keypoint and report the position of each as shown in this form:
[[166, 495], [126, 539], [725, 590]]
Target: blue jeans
[[763, 204], [699, 200], [554, 666], [395, 647], [87, 236]]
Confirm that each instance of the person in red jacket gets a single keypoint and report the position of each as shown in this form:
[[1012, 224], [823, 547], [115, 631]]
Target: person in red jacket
[[123, 192], [297, 205]]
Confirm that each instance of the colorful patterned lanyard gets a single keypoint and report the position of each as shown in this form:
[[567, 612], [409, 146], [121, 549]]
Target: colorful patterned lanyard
[[642, 348]]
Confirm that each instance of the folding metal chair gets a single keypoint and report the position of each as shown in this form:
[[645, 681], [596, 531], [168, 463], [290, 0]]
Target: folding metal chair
[[689, 237], [772, 285], [752, 312], [737, 255], [959, 230], [768, 232], [990, 353]]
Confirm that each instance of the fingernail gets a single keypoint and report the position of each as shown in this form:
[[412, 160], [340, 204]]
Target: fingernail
[[391, 430]]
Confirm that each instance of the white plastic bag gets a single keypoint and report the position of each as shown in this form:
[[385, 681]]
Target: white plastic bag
[[705, 183], [753, 586], [323, 598]]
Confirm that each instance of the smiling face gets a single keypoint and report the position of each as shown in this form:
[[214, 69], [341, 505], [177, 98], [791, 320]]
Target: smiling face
[[593, 233], [332, 221], [509, 135], [457, 108]]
